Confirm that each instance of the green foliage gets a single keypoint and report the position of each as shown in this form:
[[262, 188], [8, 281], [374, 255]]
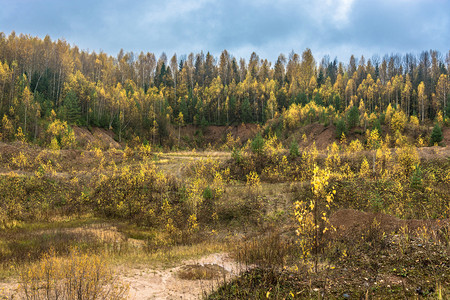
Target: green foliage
[[135, 194], [236, 155], [352, 117], [377, 125], [72, 109], [33, 198], [447, 109], [257, 144], [208, 193], [246, 112], [119, 93], [337, 103], [417, 177], [341, 128], [436, 135], [293, 149]]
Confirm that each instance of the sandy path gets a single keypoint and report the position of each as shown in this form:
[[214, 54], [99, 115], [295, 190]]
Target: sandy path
[[165, 284]]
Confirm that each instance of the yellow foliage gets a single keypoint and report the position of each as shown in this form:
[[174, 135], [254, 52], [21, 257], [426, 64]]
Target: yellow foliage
[[7, 129], [304, 138], [192, 223], [61, 131], [20, 161], [372, 118], [373, 139], [253, 180], [407, 160], [78, 276], [272, 147], [309, 157], [20, 136], [414, 121], [420, 142], [231, 142], [440, 118], [398, 120], [54, 145], [309, 218], [388, 114], [400, 140], [354, 146], [333, 160], [364, 170]]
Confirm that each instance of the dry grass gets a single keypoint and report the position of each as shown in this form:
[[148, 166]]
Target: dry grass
[[77, 276], [202, 272]]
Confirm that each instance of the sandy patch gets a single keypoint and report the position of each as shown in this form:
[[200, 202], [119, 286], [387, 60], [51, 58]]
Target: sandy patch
[[167, 284]]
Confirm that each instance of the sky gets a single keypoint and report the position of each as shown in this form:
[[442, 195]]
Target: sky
[[338, 28]]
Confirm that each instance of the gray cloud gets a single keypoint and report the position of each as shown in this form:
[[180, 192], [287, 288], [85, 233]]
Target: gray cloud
[[334, 27]]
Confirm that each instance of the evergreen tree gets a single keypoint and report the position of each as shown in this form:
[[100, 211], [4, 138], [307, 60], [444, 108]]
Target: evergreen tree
[[341, 128], [257, 144], [246, 111], [293, 149], [352, 117], [72, 108], [436, 135]]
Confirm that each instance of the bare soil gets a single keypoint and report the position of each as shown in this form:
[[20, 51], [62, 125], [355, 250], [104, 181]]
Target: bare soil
[[446, 136], [350, 221], [150, 283], [216, 135], [99, 137]]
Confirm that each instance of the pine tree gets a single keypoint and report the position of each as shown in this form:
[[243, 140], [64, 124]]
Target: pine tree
[[353, 117], [246, 111], [72, 108], [436, 135], [258, 144]]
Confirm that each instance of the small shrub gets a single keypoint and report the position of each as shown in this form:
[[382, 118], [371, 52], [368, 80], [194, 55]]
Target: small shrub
[[257, 144], [201, 272], [436, 135], [341, 128], [416, 178], [293, 149], [268, 251], [236, 155], [79, 276], [208, 193]]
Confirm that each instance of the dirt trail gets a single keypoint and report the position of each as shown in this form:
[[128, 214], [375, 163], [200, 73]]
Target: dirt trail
[[165, 283]]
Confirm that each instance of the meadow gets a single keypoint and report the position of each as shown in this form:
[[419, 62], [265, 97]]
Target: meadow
[[358, 218]]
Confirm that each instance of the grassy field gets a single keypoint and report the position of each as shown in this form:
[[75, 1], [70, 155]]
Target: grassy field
[[345, 222]]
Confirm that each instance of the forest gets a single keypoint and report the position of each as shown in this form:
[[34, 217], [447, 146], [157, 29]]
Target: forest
[[196, 177], [140, 95]]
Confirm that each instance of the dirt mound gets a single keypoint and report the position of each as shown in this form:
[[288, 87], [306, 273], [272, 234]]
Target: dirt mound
[[216, 135], [350, 221], [315, 133], [97, 138], [446, 136], [434, 153], [106, 137], [326, 137]]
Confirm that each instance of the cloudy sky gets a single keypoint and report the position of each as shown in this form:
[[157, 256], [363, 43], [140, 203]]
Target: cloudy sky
[[334, 27]]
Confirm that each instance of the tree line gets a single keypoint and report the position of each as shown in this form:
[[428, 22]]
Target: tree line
[[140, 94]]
